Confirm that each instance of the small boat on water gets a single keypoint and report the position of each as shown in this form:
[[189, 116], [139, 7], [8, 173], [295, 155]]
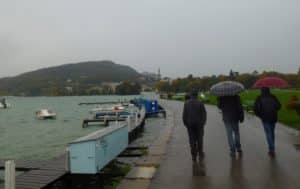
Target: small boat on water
[[45, 114], [113, 111], [4, 104], [107, 108]]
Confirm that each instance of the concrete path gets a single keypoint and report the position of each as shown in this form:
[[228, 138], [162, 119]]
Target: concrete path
[[255, 170]]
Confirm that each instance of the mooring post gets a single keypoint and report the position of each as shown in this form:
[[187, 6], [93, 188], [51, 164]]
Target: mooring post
[[128, 123], [105, 119], [67, 160], [136, 119], [10, 175], [117, 117]]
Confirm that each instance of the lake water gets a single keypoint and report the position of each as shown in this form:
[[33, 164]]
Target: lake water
[[22, 136]]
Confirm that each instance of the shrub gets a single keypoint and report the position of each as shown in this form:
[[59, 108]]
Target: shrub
[[293, 104]]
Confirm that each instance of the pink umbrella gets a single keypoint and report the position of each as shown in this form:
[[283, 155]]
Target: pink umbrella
[[270, 82]]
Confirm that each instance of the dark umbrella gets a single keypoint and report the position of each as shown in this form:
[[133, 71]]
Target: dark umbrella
[[227, 88], [270, 82]]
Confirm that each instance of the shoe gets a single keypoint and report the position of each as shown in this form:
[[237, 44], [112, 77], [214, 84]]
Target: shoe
[[232, 154], [201, 156], [240, 153], [272, 154]]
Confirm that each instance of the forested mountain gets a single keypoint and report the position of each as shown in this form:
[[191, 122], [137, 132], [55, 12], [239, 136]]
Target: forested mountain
[[76, 78]]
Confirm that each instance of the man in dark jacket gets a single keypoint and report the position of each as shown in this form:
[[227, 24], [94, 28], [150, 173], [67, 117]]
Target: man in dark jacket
[[194, 119], [266, 108], [233, 113]]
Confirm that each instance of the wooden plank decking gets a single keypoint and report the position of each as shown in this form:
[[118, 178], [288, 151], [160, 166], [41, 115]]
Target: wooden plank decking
[[39, 174]]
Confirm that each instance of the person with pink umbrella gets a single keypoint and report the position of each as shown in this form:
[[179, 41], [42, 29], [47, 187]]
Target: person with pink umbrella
[[266, 107]]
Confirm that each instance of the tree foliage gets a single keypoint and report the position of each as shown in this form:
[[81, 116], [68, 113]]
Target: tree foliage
[[128, 88], [204, 83]]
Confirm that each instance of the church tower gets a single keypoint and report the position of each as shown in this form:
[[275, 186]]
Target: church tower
[[158, 75]]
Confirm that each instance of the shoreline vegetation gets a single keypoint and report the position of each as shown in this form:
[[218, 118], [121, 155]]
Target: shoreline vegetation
[[288, 117], [289, 97]]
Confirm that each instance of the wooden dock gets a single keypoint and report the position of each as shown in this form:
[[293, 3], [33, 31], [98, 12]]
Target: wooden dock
[[42, 174], [38, 174], [105, 121], [101, 103]]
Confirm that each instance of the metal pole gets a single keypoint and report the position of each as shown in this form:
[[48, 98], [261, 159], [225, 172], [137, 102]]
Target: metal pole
[[10, 175], [67, 160], [128, 123]]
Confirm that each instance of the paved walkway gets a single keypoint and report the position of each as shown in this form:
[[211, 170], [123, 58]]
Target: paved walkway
[[255, 170]]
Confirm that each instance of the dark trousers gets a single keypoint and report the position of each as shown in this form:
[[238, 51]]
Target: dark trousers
[[270, 134], [196, 139]]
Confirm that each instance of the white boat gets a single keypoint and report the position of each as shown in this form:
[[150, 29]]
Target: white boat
[[107, 108], [4, 104], [115, 112], [45, 114], [8, 105]]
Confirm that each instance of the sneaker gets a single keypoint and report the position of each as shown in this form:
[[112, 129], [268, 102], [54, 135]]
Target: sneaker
[[271, 154]]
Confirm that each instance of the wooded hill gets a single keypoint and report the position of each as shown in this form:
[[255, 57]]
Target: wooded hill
[[77, 77]]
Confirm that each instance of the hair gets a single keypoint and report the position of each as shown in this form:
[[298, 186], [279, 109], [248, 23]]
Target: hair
[[187, 97], [265, 91], [193, 93]]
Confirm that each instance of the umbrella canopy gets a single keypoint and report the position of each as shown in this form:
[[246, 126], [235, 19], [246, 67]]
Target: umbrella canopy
[[227, 88], [270, 82]]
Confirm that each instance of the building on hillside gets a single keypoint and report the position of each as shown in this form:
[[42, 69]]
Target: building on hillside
[[69, 89], [167, 79], [111, 85], [148, 76], [233, 75]]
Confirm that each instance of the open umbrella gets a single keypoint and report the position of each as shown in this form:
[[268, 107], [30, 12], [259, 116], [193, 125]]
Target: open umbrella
[[227, 88], [270, 82]]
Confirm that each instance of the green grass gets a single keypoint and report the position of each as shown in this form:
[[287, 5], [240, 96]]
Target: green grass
[[289, 118], [120, 171]]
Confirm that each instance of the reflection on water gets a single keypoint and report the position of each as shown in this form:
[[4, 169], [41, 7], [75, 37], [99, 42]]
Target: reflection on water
[[238, 180], [276, 175], [199, 169]]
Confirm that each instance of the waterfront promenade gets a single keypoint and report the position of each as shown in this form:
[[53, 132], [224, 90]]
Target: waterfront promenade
[[254, 170]]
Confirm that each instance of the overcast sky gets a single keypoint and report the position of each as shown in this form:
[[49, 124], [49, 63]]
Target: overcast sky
[[201, 37]]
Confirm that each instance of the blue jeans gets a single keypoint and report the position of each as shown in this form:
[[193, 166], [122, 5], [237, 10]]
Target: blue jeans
[[233, 135], [270, 134]]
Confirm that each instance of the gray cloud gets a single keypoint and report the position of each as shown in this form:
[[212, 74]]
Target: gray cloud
[[181, 37]]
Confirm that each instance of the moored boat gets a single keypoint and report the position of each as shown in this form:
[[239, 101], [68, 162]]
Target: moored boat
[[45, 114], [4, 104]]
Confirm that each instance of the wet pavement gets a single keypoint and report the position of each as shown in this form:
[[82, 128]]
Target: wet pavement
[[254, 170]]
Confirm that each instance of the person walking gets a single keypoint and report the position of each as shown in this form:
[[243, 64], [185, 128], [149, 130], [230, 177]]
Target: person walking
[[232, 112], [266, 107], [194, 119]]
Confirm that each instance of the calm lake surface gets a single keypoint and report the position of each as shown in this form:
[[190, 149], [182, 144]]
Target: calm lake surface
[[22, 136]]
